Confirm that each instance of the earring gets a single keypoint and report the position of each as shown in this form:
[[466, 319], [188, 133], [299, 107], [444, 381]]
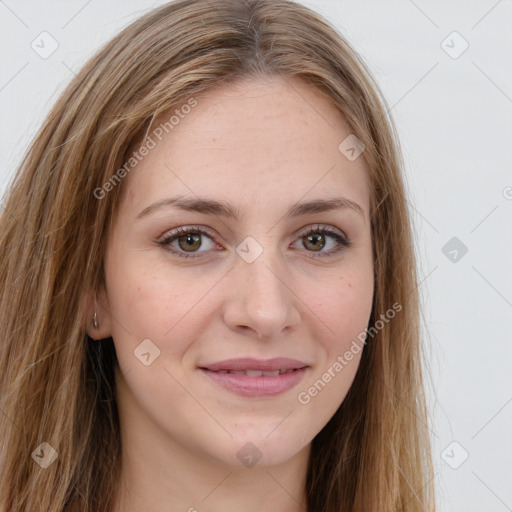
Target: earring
[[95, 321]]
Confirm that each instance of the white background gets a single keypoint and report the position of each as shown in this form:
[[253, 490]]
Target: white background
[[454, 117]]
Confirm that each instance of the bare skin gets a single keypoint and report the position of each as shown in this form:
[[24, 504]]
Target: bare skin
[[261, 145]]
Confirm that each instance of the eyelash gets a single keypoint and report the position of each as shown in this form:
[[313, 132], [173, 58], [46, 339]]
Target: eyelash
[[170, 237]]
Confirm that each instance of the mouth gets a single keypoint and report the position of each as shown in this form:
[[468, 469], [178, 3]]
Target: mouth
[[254, 373], [256, 378]]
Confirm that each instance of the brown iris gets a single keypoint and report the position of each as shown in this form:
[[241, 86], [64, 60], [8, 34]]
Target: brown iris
[[192, 242], [318, 241]]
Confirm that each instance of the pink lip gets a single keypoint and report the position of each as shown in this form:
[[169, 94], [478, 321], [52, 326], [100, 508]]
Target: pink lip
[[259, 386]]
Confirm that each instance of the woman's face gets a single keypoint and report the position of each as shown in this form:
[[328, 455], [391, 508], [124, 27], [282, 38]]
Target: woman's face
[[256, 285]]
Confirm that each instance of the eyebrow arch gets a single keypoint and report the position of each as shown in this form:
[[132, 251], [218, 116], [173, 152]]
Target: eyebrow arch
[[212, 207]]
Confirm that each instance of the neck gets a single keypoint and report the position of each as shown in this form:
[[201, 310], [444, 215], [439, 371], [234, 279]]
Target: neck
[[158, 472], [200, 485]]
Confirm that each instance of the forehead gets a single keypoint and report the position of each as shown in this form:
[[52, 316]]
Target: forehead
[[255, 141]]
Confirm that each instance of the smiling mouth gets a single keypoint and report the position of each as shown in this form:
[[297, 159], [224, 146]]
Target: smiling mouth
[[254, 373], [249, 377], [250, 364]]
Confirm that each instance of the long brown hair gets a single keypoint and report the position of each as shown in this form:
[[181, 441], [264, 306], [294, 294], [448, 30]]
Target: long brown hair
[[56, 388]]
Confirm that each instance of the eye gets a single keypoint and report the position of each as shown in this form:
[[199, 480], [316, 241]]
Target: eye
[[187, 239], [315, 239], [185, 242]]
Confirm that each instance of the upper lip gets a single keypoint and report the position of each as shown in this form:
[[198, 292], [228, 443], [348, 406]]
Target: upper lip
[[247, 363]]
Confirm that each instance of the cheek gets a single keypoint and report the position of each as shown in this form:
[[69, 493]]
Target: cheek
[[343, 305], [148, 301]]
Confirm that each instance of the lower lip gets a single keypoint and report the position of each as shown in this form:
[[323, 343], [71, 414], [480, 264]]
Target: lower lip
[[256, 386]]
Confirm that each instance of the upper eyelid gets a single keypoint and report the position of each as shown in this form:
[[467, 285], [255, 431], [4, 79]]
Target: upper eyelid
[[190, 228], [340, 237], [176, 232]]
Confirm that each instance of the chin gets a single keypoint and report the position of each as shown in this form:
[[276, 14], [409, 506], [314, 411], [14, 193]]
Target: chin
[[261, 447]]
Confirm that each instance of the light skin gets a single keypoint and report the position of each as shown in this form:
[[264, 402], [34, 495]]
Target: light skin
[[261, 145]]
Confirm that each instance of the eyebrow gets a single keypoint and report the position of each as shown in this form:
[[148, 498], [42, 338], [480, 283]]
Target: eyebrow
[[212, 207]]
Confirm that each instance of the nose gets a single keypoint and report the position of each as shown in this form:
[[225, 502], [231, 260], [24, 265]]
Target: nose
[[261, 298]]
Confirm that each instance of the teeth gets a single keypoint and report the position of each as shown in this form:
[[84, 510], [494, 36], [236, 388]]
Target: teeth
[[256, 373]]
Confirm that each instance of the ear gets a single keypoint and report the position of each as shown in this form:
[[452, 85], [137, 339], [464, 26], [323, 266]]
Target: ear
[[97, 302]]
